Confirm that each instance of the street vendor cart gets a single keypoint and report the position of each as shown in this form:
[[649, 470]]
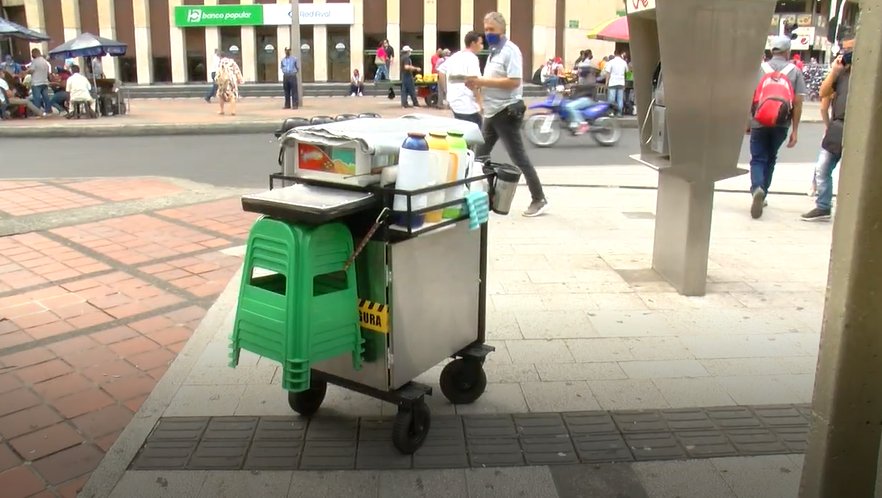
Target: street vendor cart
[[340, 288]]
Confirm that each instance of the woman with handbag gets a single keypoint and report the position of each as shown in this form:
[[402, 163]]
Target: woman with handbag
[[380, 60]]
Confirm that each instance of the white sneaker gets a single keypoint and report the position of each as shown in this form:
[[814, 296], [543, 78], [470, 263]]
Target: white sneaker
[[360, 94], [353, 95]]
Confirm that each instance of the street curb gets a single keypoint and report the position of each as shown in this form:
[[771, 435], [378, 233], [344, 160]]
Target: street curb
[[116, 461], [141, 130]]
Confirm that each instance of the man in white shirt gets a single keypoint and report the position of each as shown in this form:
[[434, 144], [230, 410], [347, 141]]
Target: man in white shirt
[[79, 89], [615, 71], [465, 103]]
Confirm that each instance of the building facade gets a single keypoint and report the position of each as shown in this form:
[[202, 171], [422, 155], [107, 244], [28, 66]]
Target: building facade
[[171, 41]]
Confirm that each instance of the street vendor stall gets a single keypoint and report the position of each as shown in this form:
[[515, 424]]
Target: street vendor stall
[[365, 272]]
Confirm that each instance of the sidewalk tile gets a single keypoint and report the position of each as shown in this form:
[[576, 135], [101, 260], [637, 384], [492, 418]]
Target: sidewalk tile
[[689, 392], [579, 371], [42, 199], [20, 482], [55, 438], [559, 396], [498, 398], [627, 394], [535, 482], [554, 325], [758, 390], [159, 484], [82, 402], [8, 459], [663, 369], [43, 371], [538, 351], [69, 464], [19, 399], [691, 479], [127, 388], [134, 346], [116, 189], [72, 488], [773, 475], [104, 421], [26, 421]]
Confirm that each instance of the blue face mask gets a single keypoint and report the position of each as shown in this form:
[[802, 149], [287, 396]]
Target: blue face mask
[[492, 38]]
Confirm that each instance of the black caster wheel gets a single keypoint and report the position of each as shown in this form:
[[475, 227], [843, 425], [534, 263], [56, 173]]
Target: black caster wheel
[[432, 100], [306, 403], [463, 381], [411, 427]]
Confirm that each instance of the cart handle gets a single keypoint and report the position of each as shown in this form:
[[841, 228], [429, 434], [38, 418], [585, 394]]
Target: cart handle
[[384, 213]]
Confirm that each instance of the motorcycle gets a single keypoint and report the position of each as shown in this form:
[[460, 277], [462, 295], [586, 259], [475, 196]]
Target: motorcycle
[[544, 129]]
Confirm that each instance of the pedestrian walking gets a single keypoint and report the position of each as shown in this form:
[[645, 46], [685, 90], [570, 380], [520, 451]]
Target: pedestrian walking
[[615, 71], [229, 77], [835, 86], [465, 103], [382, 72], [777, 107], [215, 63], [408, 88], [290, 68], [502, 89]]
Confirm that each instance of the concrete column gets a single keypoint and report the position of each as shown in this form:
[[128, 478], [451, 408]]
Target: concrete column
[[36, 21], [144, 50], [544, 12], [466, 18], [70, 18], [682, 232], [283, 36], [212, 43], [393, 34], [178, 46], [430, 33], [107, 29], [249, 50], [356, 37], [843, 449], [504, 8], [320, 50]]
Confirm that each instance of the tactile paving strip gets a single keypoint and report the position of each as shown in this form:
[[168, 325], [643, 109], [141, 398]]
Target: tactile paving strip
[[331, 443]]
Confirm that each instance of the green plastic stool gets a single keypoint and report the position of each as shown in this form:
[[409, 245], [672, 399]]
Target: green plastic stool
[[300, 307]]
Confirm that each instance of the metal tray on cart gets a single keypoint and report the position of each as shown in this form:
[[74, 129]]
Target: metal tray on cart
[[310, 204]]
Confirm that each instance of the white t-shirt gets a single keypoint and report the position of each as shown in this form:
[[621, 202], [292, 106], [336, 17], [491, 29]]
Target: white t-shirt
[[616, 69], [79, 88], [459, 65], [4, 87]]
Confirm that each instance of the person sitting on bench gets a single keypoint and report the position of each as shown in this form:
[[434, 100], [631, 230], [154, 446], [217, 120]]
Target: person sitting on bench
[[80, 91]]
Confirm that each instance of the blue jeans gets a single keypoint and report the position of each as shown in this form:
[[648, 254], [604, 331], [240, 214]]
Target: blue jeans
[[41, 97], [827, 162], [408, 89], [213, 90], [574, 108], [382, 73], [616, 95], [764, 145]]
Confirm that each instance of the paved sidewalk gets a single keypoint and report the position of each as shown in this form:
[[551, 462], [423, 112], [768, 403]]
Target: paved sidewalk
[[195, 116], [581, 324], [102, 281]]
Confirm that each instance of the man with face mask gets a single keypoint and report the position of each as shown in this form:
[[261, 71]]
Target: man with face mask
[[502, 90], [835, 86]]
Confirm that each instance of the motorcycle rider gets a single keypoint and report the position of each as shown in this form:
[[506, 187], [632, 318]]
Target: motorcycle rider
[[582, 98]]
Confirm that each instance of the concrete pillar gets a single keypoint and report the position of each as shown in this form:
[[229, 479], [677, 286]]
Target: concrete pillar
[[320, 50], [70, 19], [36, 21], [393, 34], [504, 8], [141, 11], [544, 17], [249, 50], [843, 449], [283, 37], [178, 45], [212, 43], [430, 33], [356, 37], [107, 29], [466, 19]]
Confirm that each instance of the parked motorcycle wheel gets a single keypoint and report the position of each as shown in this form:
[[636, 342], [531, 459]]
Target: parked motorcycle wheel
[[540, 132], [606, 131]]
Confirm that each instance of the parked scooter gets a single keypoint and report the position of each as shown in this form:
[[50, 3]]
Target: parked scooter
[[544, 128]]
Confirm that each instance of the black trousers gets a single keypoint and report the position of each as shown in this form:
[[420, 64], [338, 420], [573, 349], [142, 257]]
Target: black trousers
[[508, 128], [474, 118], [289, 85]]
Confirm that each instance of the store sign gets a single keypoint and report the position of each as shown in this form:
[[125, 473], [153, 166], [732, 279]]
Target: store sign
[[191, 16], [310, 13], [639, 5], [805, 38]]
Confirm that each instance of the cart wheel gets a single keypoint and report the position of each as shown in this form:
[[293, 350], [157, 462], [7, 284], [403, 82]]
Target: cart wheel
[[306, 403], [411, 427], [463, 381], [432, 100]]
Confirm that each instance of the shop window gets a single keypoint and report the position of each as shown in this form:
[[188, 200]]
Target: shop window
[[194, 40], [449, 40], [415, 40], [269, 54], [162, 72], [307, 55], [231, 43], [338, 53], [128, 70], [371, 43]]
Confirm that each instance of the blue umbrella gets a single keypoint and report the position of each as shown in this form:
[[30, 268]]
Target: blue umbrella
[[89, 45], [9, 29]]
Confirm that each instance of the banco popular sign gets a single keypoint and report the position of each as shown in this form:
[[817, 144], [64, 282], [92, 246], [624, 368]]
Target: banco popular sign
[[187, 16]]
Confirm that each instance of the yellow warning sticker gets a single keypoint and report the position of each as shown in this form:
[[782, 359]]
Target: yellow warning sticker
[[374, 316]]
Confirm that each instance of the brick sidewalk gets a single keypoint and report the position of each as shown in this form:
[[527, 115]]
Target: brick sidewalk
[[92, 314]]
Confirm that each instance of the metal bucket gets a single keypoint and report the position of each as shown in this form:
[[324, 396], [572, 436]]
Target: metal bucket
[[504, 188]]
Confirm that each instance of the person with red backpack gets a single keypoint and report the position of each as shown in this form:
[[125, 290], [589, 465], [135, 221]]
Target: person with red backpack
[[777, 105]]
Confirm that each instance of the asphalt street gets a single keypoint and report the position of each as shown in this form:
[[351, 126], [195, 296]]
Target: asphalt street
[[246, 160]]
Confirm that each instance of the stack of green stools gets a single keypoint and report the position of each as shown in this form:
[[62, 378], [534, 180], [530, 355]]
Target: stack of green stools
[[297, 305]]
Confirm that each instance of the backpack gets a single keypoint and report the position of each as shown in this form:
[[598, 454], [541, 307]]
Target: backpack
[[773, 97]]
